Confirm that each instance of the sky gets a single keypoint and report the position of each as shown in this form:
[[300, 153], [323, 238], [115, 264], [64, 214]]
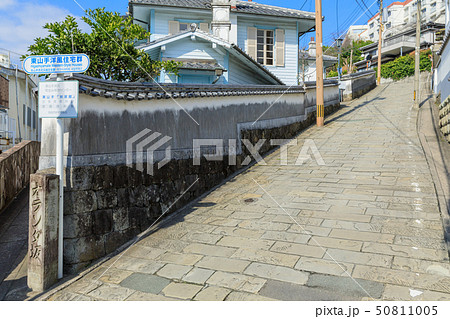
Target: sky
[[22, 20]]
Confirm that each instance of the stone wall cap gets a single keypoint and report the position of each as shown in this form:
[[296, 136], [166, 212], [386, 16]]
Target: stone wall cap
[[140, 91]]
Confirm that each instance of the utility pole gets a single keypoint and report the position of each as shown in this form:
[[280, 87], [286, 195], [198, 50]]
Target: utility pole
[[380, 31], [351, 61], [417, 53], [339, 62], [319, 66]]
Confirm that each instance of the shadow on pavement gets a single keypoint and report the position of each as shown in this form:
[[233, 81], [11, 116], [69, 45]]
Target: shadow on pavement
[[13, 249]]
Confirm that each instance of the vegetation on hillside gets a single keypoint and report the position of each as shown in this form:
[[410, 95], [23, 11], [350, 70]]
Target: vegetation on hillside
[[346, 53], [403, 66]]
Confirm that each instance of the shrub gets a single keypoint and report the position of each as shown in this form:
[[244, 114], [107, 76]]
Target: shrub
[[332, 74], [403, 66]]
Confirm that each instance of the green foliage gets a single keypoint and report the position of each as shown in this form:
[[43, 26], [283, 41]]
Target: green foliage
[[356, 46], [332, 74], [110, 46], [330, 50], [425, 61], [400, 68], [346, 53], [403, 67]]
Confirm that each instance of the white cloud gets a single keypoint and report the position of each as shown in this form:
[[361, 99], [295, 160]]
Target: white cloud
[[24, 21], [4, 4]]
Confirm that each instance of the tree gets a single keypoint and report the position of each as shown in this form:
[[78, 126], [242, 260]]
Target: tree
[[356, 46], [346, 52], [110, 46]]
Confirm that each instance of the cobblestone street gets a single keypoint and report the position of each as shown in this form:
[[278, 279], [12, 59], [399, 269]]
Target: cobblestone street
[[366, 225]]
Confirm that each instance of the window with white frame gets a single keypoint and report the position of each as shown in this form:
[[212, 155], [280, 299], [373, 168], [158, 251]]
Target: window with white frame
[[184, 26], [265, 47]]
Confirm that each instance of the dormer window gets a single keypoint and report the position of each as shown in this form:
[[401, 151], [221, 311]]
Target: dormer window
[[178, 26], [184, 27]]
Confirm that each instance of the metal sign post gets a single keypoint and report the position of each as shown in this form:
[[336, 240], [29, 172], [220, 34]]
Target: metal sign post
[[58, 100], [60, 173]]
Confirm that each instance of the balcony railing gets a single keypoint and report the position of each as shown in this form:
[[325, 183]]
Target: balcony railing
[[398, 40]]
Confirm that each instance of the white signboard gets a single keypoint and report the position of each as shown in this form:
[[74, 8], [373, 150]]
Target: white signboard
[[58, 99], [61, 63]]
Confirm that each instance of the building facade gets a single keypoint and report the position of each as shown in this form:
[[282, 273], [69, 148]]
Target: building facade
[[398, 45], [400, 16], [21, 115], [266, 34], [356, 33], [308, 63]]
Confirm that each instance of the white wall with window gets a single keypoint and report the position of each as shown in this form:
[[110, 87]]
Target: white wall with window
[[272, 44]]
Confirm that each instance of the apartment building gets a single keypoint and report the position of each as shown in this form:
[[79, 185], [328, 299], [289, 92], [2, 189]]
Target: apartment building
[[400, 16]]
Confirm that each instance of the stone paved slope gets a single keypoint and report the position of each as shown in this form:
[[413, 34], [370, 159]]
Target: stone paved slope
[[364, 226]]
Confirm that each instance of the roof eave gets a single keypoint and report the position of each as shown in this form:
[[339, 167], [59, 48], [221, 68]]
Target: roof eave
[[132, 3]]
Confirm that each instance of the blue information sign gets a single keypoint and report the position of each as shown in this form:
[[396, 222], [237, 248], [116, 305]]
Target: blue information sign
[[61, 63]]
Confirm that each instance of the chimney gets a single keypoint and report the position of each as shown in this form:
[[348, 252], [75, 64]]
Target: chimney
[[221, 24], [312, 47]]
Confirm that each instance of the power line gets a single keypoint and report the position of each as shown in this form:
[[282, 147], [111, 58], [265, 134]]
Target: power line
[[344, 25], [363, 2], [303, 4], [359, 4]]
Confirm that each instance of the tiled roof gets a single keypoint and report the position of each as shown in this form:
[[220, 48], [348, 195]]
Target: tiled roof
[[149, 91], [194, 64], [249, 7], [307, 56]]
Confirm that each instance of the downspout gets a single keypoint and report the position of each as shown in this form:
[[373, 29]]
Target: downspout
[[17, 105], [28, 104]]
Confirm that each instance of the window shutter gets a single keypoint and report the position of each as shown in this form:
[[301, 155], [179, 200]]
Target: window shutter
[[204, 27], [174, 27], [251, 42], [279, 47]]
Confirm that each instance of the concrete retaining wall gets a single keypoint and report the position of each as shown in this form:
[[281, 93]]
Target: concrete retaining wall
[[442, 85], [444, 118], [16, 165], [107, 202], [357, 84]]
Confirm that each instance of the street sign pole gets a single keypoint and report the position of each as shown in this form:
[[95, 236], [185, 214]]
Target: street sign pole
[[60, 173], [58, 100]]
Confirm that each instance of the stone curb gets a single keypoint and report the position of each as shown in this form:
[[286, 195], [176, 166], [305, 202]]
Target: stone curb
[[442, 204]]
